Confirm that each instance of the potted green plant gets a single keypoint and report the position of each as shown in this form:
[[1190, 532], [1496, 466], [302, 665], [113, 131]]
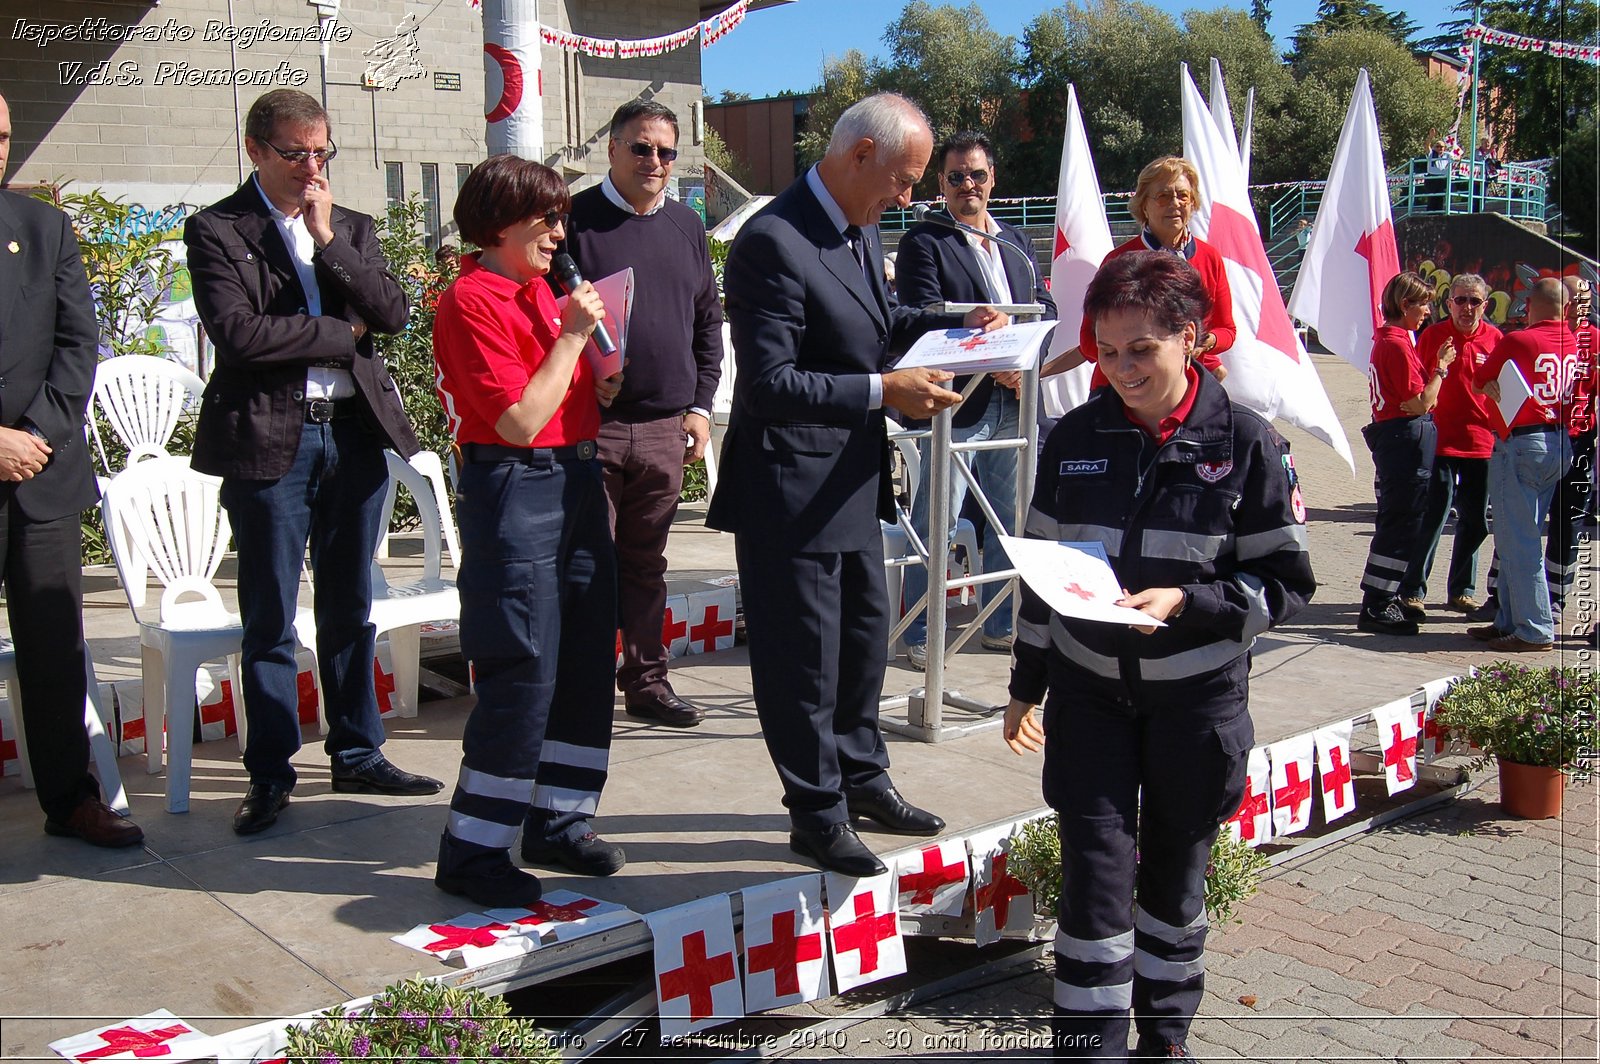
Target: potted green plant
[[419, 1020], [1538, 723]]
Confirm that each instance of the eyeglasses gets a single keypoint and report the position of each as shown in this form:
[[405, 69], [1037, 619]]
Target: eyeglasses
[[553, 218], [295, 158], [957, 178], [1466, 301], [644, 151]]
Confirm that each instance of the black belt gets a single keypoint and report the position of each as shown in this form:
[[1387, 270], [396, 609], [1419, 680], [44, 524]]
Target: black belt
[[1527, 430], [582, 451], [322, 411]]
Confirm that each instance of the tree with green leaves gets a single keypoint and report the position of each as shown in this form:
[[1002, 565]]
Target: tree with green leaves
[[845, 80], [1335, 16], [953, 64]]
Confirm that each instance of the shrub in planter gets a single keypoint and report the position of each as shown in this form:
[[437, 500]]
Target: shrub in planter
[[419, 1020], [1544, 717]]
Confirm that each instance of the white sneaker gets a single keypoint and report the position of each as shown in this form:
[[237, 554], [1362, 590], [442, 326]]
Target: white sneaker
[[996, 642], [917, 655]]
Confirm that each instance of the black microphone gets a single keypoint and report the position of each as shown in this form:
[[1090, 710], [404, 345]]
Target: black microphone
[[568, 277], [922, 214]]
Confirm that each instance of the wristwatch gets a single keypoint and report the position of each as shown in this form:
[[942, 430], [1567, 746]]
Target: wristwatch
[[1442, 372]]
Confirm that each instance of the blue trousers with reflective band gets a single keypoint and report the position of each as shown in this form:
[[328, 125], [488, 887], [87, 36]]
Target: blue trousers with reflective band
[[1402, 451], [538, 621]]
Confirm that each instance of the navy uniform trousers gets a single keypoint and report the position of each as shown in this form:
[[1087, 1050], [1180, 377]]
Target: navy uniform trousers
[[1402, 452], [538, 591], [1140, 790]]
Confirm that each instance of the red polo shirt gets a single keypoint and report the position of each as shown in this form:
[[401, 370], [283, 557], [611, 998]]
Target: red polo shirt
[[1394, 374], [1208, 263], [1462, 415], [1547, 356], [1180, 413]]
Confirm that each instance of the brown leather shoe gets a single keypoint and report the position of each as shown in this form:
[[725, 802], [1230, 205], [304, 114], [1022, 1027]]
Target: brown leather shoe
[[1463, 604], [1486, 634], [666, 709], [95, 823], [1510, 644]]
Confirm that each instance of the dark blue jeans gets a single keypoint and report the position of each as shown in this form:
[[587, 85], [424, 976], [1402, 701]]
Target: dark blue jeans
[[331, 498], [1464, 483]]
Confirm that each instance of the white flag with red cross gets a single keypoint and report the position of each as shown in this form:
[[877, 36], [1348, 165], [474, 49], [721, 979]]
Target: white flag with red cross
[[1333, 770], [785, 957], [563, 915], [933, 880], [1397, 738], [1291, 785], [1001, 903], [675, 626], [711, 617], [158, 1034], [10, 753], [383, 679], [469, 940], [864, 929], [697, 967], [1432, 742], [1253, 820], [1082, 241], [263, 1043]]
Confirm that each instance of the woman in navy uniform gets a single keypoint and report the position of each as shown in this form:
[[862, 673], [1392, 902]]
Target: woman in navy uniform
[[1146, 729]]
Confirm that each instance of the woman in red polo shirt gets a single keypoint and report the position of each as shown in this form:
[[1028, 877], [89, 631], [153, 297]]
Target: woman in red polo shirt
[[538, 573], [1401, 438]]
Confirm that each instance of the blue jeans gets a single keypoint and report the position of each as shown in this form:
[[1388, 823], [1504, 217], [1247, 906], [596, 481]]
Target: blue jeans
[[331, 497], [1523, 473], [997, 474]]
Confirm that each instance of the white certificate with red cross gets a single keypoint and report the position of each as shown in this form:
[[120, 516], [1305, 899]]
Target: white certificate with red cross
[[1014, 347], [1074, 579]]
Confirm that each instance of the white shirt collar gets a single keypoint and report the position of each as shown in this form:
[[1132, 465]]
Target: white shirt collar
[[608, 188], [272, 208], [830, 206]]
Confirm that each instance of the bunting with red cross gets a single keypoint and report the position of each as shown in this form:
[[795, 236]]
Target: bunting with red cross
[[158, 1034], [933, 879], [864, 929], [10, 757], [563, 915], [675, 626], [1432, 742], [697, 967], [1253, 820], [1334, 780], [1001, 903], [1397, 738], [711, 618], [469, 940], [1291, 785], [785, 955]]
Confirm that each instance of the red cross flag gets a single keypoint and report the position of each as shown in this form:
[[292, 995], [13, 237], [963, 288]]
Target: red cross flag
[[697, 970], [261, 1043], [1333, 770], [1291, 785], [933, 880], [711, 614], [469, 940], [864, 929], [1397, 737], [1001, 903], [675, 626], [564, 915], [1433, 741], [1253, 821], [218, 715], [785, 957], [158, 1034], [10, 761]]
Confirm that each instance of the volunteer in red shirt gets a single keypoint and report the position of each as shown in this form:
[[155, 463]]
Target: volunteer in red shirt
[[1530, 458], [1461, 460], [1401, 439], [538, 572], [1574, 495]]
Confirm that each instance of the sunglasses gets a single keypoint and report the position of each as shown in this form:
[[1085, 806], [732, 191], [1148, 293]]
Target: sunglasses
[[1466, 301], [295, 158], [957, 178], [644, 151], [553, 218]]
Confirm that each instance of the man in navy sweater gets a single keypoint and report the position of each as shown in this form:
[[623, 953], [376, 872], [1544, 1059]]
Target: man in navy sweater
[[659, 423]]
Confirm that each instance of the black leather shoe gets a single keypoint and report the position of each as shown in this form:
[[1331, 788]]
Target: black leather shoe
[[838, 849], [1162, 1051], [589, 855], [382, 777], [493, 884], [666, 709], [894, 814], [260, 808], [97, 824], [1386, 620]]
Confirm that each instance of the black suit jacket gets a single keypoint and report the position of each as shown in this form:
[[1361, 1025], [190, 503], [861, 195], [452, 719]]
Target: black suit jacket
[[936, 264], [254, 310], [805, 462], [48, 350]]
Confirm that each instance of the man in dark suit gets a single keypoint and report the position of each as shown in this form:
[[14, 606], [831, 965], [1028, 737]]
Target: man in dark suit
[[48, 341], [805, 472], [937, 264], [295, 419]]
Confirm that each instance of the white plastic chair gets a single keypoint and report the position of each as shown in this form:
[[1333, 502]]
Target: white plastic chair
[[431, 466], [721, 406], [100, 745], [401, 609], [171, 518]]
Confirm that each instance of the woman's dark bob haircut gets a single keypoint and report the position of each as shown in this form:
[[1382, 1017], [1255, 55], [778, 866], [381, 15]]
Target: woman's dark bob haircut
[[502, 191], [1152, 282]]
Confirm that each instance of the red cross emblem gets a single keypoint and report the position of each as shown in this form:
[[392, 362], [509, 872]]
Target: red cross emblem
[[934, 874], [972, 343], [132, 1040], [785, 953], [698, 976], [1428, 728], [8, 750], [1254, 805], [869, 928], [383, 686], [672, 629], [1336, 779], [1078, 589], [710, 628], [998, 892], [544, 912], [305, 691], [1295, 791], [453, 937], [1398, 755], [221, 710]]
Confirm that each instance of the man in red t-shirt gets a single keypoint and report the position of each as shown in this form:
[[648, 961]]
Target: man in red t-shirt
[[1530, 458], [1573, 495], [1465, 441]]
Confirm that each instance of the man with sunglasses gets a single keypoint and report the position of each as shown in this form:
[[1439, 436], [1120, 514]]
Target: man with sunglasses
[[294, 420]]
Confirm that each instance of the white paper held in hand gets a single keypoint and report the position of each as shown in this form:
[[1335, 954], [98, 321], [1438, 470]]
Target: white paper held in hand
[[1074, 579], [1514, 391], [616, 293], [1014, 347]]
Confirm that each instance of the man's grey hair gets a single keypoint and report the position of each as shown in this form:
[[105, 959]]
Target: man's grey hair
[[1469, 280], [885, 118]]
